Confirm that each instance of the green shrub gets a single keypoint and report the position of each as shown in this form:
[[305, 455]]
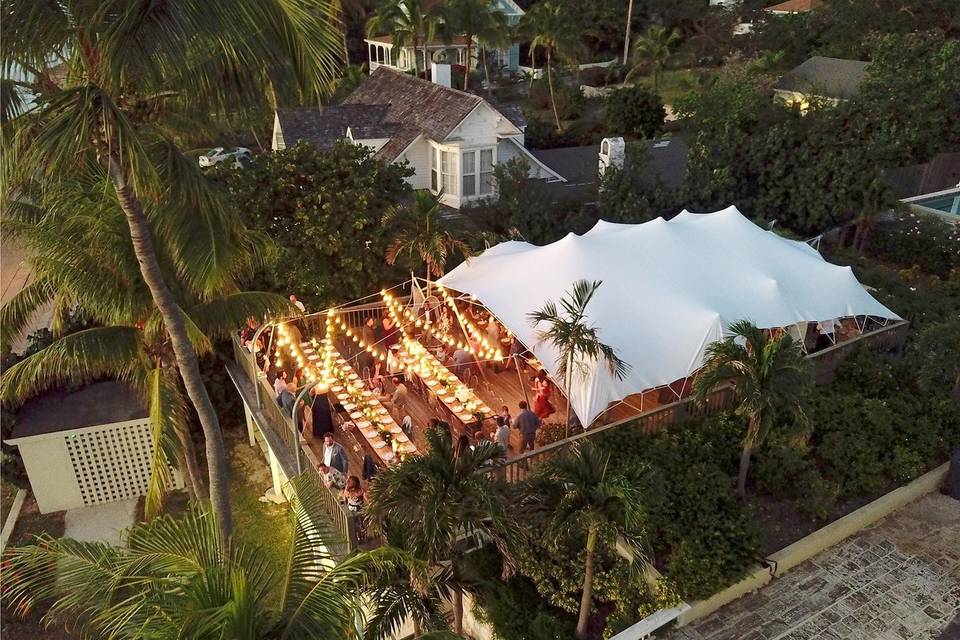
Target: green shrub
[[818, 494], [636, 112], [918, 239], [570, 101], [513, 607], [850, 434], [779, 467]]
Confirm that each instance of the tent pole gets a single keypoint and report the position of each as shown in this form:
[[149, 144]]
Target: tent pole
[[516, 361]]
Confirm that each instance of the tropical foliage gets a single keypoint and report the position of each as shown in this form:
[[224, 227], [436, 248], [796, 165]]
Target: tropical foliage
[[579, 494], [472, 19], [768, 375], [636, 112], [117, 97], [323, 211], [434, 504], [84, 265], [653, 51], [180, 578], [410, 24], [577, 344], [422, 236], [551, 29]]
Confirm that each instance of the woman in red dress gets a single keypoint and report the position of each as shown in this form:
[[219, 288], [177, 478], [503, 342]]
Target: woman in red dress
[[543, 389]]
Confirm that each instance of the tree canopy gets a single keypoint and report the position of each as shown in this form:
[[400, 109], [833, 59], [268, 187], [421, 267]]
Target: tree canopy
[[323, 211]]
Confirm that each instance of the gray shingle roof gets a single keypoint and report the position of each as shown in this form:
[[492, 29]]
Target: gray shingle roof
[[323, 127], [388, 104], [418, 106], [827, 77]]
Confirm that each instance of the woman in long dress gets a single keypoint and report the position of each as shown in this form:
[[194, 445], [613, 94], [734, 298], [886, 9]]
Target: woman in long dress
[[542, 388]]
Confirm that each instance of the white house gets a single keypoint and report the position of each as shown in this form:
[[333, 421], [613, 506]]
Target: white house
[[382, 50], [451, 139]]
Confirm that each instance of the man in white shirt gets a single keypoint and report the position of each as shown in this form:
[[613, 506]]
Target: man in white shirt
[[400, 393], [334, 455], [297, 303]]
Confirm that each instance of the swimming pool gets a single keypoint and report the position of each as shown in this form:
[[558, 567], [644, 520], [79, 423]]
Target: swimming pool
[[943, 202]]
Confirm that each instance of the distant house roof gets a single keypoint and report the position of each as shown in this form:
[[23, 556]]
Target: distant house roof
[[91, 406], [827, 77], [794, 6], [941, 173], [388, 104], [667, 161]]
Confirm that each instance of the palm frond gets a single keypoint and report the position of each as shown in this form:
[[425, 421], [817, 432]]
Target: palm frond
[[167, 417], [78, 358], [220, 317], [16, 314]]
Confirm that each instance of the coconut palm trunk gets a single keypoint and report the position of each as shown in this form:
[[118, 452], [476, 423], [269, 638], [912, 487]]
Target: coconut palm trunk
[[191, 467], [553, 100], [752, 430], [466, 66], [587, 596], [486, 69], [568, 385], [626, 39], [175, 324]]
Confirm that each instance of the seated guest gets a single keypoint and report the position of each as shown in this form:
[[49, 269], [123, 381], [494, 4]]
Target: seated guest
[[502, 434], [400, 394], [462, 359], [332, 478]]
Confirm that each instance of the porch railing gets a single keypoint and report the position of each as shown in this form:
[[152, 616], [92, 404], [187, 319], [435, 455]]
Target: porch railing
[[344, 521]]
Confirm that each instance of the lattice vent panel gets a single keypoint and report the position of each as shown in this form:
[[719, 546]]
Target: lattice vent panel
[[113, 463]]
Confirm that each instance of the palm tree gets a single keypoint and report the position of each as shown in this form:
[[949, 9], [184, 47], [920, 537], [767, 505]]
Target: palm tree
[[576, 343], [552, 30], [409, 24], [432, 504], [769, 376], [578, 493], [423, 235], [498, 33], [114, 97], [82, 261], [469, 18], [179, 578], [655, 47]]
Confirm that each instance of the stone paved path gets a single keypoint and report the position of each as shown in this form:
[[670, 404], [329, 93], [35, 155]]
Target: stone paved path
[[898, 580]]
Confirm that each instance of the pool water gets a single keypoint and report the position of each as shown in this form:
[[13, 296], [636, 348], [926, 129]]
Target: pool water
[[948, 204]]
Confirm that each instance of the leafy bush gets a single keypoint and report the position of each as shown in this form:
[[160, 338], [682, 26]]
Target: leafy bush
[[819, 495], [549, 433], [779, 468], [918, 239], [570, 101], [513, 607], [636, 112], [634, 193]]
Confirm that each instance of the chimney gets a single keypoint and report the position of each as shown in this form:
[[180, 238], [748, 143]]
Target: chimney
[[613, 151], [440, 73]]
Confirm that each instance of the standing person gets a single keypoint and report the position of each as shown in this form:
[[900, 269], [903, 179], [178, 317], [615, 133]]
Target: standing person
[[366, 360], [280, 383], [502, 435], [286, 397], [334, 455], [543, 390], [321, 412], [297, 303], [391, 332], [354, 495], [332, 478], [505, 414], [462, 359], [527, 423]]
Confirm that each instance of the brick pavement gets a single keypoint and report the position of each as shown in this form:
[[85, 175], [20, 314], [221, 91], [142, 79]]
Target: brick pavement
[[897, 580]]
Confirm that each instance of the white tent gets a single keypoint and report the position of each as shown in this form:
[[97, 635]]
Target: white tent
[[669, 290]]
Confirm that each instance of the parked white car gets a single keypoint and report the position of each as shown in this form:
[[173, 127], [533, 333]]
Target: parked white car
[[240, 155]]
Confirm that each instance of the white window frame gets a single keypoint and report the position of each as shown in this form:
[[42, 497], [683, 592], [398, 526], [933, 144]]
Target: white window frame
[[478, 173], [446, 180]]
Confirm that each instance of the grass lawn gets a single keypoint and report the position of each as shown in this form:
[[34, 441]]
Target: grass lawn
[[262, 524], [675, 82]]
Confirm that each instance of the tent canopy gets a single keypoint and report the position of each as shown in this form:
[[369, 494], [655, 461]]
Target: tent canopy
[[670, 288]]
